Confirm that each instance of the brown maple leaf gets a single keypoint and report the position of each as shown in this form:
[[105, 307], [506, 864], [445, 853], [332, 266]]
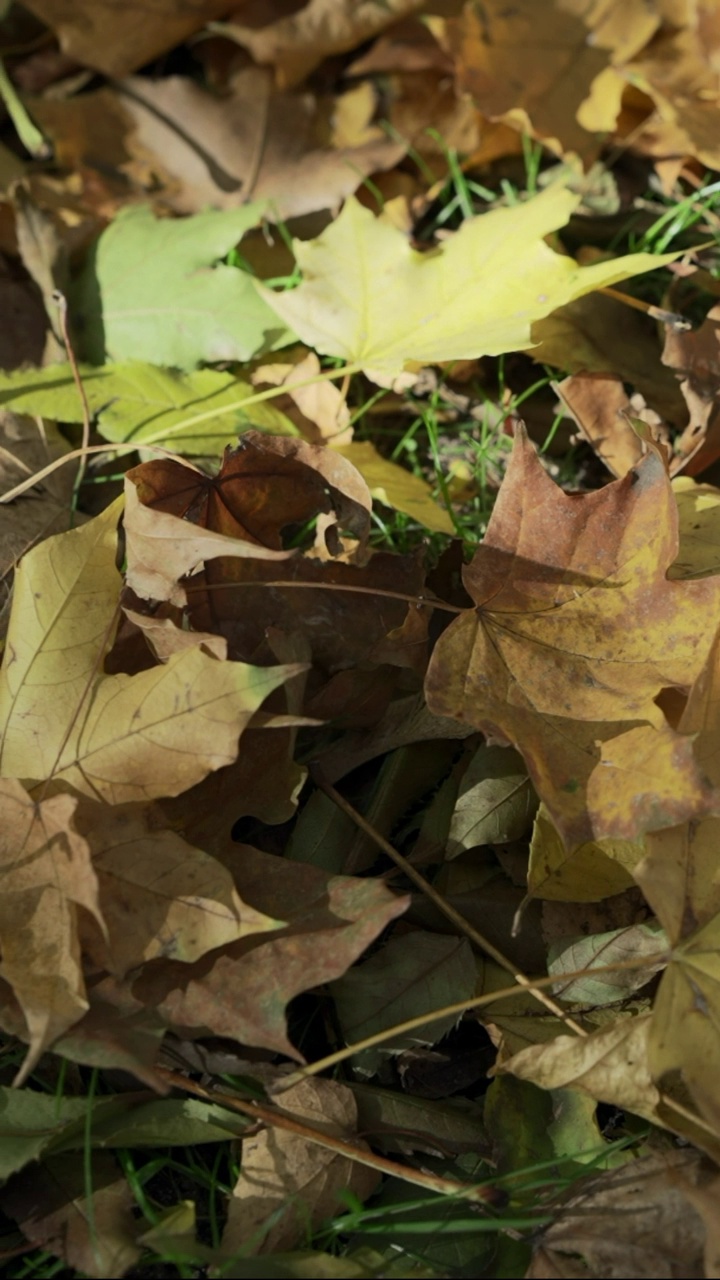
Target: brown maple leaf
[[576, 630]]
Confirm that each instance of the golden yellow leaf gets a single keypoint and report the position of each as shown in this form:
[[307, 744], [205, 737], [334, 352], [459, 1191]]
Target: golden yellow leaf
[[397, 487], [591, 871]]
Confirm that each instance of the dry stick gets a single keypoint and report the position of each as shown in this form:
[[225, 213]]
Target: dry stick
[[420, 601], [283, 1120], [671, 318], [457, 919], [61, 301], [451, 1010]]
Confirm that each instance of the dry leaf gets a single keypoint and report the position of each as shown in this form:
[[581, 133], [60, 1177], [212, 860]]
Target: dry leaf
[[553, 659], [283, 1171]]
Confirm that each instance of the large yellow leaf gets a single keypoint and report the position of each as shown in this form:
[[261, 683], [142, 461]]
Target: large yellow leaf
[[368, 296], [113, 737]]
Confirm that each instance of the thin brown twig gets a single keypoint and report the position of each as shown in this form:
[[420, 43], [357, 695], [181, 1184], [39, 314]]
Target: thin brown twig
[[453, 1011], [442, 904], [272, 1116], [420, 601]]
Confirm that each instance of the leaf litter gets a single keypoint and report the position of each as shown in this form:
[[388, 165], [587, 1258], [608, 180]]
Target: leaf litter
[[291, 785]]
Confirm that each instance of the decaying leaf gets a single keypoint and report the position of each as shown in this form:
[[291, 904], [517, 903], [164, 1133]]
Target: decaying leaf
[[552, 658]]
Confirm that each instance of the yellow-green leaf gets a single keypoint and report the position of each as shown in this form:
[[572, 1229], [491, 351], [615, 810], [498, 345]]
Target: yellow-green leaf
[[369, 296]]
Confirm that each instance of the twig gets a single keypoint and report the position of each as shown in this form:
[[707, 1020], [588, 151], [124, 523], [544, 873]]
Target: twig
[[421, 601], [452, 1011], [61, 302], [284, 1120], [442, 904]]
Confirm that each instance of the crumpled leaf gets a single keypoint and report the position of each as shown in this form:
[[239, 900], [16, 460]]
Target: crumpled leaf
[[698, 525], [242, 990], [143, 404], [282, 1170], [115, 737], [294, 44], [369, 297], [152, 290], [264, 486], [552, 657]]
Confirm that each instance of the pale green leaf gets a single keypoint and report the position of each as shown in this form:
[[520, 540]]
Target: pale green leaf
[[193, 413], [152, 290], [568, 955], [369, 297], [496, 800]]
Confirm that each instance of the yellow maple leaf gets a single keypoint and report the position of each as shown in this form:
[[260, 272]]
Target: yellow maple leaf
[[371, 298]]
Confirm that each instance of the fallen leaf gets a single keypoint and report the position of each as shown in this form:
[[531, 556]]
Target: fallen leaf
[[599, 405], [297, 43], [50, 1205], [158, 895], [282, 1171], [323, 415], [635, 942], [199, 413], [599, 335], [47, 874], [634, 1221], [61, 627], [156, 289], [119, 40], [695, 359], [495, 801], [24, 450], [589, 872], [477, 294], [698, 527], [611, 1065], [679, 875], [253, 142], [412, 975], [242, 991], [684, 1029], [508, 61], [553, 660]]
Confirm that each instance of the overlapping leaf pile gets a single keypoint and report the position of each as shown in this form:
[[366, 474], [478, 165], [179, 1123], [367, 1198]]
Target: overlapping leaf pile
[[190, 670]]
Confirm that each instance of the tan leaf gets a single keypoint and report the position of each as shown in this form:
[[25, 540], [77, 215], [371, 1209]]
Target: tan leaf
[[47, 872], [282, 1170]]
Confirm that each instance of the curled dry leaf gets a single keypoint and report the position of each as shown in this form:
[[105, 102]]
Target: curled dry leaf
[[552, 657]]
